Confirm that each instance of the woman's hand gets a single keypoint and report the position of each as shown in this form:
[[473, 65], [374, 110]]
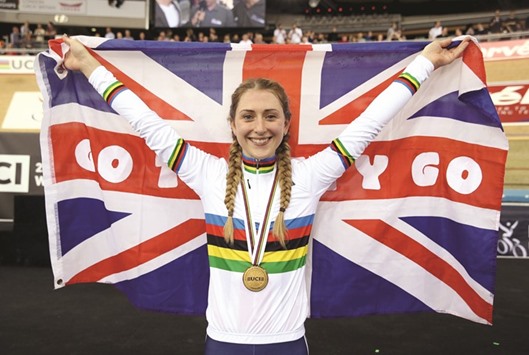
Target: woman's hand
[[439, 54], [78, 57]]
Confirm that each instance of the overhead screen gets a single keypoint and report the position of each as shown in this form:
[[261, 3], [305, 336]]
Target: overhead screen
[[98, 13], [208, 13]]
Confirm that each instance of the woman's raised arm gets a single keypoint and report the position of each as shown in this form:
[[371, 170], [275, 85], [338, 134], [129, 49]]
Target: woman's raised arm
[[388, 103]]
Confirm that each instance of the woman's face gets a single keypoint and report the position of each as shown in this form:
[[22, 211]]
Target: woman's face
[[259, 123]]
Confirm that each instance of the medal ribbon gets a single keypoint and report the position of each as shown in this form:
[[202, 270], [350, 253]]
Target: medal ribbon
[[264, 227]]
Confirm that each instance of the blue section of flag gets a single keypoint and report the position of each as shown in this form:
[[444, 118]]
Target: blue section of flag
[[472, 107], [180, 286], [346, 67], [74, 88], [474, 248], [198, 47], [192, 66], [360, 291], [482, 102], [82, 218]]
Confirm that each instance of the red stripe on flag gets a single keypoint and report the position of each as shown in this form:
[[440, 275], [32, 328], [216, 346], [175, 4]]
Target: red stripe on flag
[[141, 253], [423, 257], [472, 57], [56, 46], [283, 64], [162, 108], [397, 180], [143, 178]]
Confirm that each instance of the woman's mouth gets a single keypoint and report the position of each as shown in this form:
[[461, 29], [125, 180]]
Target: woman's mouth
[[260, 141]]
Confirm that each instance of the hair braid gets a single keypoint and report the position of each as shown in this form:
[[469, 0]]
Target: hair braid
[[233, 179], [285, 183]]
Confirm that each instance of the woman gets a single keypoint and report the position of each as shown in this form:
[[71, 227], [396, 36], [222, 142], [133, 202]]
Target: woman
[[260, 204]]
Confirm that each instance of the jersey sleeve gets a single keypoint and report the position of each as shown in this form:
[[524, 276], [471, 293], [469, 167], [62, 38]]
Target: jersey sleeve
[[363, 130], [157, 133], [191, 164]]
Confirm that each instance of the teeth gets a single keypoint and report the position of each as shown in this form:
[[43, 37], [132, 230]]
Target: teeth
[[259, 140]]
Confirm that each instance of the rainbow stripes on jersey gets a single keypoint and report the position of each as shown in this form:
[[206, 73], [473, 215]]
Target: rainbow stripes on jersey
[[179, 152], [276, 260], [113, 90], [409, 82], [345, 157]]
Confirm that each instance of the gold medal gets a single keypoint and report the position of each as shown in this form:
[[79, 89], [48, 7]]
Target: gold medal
[[255, 278]]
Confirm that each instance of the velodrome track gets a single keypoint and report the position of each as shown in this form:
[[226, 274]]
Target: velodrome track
[[517, 169]]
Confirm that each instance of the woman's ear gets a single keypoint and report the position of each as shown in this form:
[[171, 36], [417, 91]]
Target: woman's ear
[[287, 126]]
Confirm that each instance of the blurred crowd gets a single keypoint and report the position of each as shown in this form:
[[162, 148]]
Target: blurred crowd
[[35, 36], [497, 25], [28, 36]]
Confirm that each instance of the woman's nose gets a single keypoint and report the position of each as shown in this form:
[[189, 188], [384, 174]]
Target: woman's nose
[[260, 125]]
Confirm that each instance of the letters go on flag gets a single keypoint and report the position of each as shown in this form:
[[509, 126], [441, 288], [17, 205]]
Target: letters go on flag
[[411, 227]]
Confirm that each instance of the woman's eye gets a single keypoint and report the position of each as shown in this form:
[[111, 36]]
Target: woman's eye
[[247, 117], [271, 117]]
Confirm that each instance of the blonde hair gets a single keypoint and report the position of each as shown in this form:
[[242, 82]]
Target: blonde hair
[[284, 166]]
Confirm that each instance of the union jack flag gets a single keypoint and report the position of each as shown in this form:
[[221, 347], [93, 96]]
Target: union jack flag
[[411, 227]]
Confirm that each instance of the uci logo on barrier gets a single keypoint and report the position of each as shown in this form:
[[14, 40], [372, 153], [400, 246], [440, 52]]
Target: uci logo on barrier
[[14, 173], [17, 64]]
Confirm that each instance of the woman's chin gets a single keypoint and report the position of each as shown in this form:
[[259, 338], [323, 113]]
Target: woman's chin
[[261, 153]]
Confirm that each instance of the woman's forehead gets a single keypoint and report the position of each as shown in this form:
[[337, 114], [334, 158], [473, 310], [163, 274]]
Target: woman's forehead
[[259, 98]]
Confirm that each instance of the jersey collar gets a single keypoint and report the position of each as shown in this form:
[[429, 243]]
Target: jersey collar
[[261, 166]]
